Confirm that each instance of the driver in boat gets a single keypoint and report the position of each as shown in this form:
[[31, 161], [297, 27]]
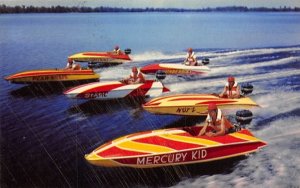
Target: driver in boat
[[218, 124], [191, 59], [71, 65], [231, 89], [117, 50], [135, 77]]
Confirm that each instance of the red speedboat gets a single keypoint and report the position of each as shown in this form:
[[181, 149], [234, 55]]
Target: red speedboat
[[172, 146]]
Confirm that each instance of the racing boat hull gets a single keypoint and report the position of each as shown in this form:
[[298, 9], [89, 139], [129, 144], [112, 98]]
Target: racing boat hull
[[115, 90], [52, 76], [194, 104], [175, 69], [100, 57], [172, 147]]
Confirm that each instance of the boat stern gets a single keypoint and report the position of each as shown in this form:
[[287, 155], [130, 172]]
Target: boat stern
[[150, 69]]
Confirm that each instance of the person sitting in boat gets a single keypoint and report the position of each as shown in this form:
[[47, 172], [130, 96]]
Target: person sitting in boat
[[231, 89], [71, 65], [191, 59], [117, 50], [135, 77], [217, 123]]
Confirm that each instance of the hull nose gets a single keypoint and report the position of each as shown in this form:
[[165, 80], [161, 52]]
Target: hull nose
[[9, 78], [70, 94], [94, 159]]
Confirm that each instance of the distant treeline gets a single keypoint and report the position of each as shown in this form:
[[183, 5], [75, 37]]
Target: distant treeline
[[61, 9]]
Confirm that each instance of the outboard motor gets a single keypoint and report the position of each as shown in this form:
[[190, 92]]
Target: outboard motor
[[246, 88], [127, 51], [244, 117], [160, 75], [205, 61]]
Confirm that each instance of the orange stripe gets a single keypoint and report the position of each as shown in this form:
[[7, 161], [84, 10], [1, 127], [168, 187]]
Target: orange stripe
[[19, 75], [173, 96]]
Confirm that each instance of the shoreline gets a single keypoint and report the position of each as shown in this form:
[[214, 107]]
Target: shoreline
[[62, 9]]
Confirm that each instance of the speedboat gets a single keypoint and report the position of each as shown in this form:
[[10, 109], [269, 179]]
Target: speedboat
[[102, 57], [175, 69], [53, 76], [173, 146], [116, 90], [194, 104]]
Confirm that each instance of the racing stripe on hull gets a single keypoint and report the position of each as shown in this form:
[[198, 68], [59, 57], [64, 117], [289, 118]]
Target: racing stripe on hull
[[48, 72], [173, 144], [159, 99], [191, 140], [93, 87], [79, 87], [141, 90], [244, 137], [101, 88], [173, 69], [190, 156], [143, 147], [115, 151]]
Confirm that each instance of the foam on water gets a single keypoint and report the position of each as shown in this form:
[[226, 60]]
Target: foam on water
[[156, 55], [218, 61], [207, 86], [250, 68], [273, 166], [241, 53], [276, 122]]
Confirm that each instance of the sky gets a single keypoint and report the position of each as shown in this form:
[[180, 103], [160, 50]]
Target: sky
[[156, 3]]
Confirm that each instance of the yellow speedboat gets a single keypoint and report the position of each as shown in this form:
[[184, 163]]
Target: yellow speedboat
[[53, 75], [102, 57], [194, 104]]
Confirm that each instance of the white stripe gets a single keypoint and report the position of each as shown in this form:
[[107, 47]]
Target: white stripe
[[184, 67], [91, 86], [123, 91], [155, 90]]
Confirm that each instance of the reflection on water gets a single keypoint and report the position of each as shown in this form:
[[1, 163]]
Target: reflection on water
[[42, 123], [44, 89], [94, 107], [163, 176], [38, 90], [45, 135]]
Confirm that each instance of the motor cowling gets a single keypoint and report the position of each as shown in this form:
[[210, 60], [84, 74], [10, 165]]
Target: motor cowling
[[244, 117], [205, 61], [127, 51], [160, 75], [246, 88]]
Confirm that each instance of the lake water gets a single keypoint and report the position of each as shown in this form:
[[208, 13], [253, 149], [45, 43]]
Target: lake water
[[44, 135]]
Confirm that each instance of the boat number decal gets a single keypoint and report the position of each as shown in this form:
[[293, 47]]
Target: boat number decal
[[178, 71], [173, 157], [96, 95], [50, 77], [94, 59], [185, 110]]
